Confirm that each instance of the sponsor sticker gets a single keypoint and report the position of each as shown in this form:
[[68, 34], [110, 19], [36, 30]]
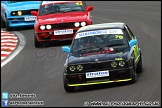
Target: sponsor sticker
[[53, 2], [97, 74], [30, 18], [79, 3], [63, 32], [49, 2], [99, 32]]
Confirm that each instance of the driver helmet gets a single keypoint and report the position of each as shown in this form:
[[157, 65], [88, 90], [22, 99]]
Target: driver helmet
[[84, 42]]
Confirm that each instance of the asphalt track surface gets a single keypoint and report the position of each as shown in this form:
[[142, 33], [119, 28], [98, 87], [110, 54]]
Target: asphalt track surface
[[40, 71]]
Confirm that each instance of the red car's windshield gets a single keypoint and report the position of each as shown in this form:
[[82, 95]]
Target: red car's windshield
[[61, 7], [17, 1]]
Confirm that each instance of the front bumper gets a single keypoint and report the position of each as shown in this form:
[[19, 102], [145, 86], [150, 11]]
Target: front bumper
[[48, 35], [18, 21], [118, 75]]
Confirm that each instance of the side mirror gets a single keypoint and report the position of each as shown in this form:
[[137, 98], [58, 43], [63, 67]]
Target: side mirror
[[89, 8], [35, 13], [66, 49], [133, 42]]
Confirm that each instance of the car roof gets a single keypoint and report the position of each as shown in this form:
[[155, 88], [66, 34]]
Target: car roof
[[113, 25]]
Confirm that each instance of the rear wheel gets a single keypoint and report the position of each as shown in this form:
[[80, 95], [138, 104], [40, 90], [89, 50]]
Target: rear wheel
[[139, 65], [8, 28], [2, 23], [66, 87], [37, 43]]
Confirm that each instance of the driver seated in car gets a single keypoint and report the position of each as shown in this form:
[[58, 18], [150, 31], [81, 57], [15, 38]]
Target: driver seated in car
[[84, 42]]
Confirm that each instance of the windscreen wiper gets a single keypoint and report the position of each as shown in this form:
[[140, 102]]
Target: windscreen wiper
[[49, 13], [113, 45], [85, 49]]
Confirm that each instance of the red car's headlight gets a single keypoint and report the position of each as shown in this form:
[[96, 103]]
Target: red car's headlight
[[76, 24], [83, 24], [42, 27], [48, 27]]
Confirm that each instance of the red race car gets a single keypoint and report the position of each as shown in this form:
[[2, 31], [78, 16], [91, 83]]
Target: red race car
[[59, 20]]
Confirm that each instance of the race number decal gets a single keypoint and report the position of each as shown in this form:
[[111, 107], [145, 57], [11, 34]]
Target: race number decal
[[79, 3], [118, 36]]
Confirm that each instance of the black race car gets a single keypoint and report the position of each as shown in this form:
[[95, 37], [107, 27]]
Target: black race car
[[102, 53]]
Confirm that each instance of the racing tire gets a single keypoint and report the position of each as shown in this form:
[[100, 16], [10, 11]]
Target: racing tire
[[67, 88], [133, 75], [8, 28], [139, 65], [37, 43], [2, 23]]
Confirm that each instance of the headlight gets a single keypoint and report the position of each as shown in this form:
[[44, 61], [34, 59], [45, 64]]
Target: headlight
[[13, 13], [114, 64], [121, 63], [79, 67], [72, 68], [83, 24], [19, 13], [77, 24], [48, 27], [42, 27]]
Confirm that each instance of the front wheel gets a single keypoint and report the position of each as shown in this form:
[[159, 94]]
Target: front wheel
[[66, 87], [8, 28], [139, 65], [36, 42], [2, 23], [133, 73]]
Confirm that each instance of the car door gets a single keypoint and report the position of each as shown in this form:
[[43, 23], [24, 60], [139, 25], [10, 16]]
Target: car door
[[136, 47]]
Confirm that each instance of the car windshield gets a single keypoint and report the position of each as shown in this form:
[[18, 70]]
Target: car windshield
[[61, 7], [96, 42], [17, 1]]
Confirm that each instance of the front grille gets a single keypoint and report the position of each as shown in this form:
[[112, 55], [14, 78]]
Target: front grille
[[24, 12], [94, 66], [63, 25], [46, 39]]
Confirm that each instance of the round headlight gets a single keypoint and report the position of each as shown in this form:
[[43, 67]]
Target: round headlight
[[48, 27], [114, 64], [42, 27], [121, 63], [19, 13], [83, 24], [77, 24], [13, 13], [72, 68], [79, 67]]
